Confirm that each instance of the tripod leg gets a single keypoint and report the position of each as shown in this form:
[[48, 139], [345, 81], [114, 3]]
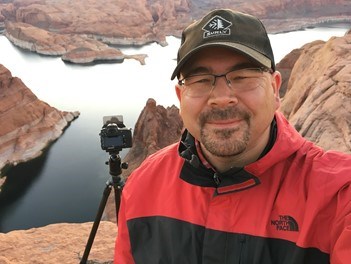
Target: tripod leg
[[118, 185], [98, 217]]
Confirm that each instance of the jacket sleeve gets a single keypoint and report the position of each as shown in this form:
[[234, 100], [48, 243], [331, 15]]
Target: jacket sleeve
[[123, 253], [341, 253]]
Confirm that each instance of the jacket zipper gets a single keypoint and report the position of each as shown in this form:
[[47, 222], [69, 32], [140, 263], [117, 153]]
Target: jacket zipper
[[216, 179]]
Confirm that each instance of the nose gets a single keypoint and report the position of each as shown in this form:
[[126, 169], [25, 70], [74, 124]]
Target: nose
[[222, 94]]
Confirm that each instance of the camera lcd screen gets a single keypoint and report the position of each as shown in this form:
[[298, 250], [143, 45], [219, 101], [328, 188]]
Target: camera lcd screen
[[113, 141]]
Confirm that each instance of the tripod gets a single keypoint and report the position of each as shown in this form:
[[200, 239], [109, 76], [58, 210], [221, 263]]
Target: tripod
[[117, 183]]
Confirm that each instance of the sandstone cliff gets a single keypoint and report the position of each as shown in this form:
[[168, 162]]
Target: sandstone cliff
[[28, 125], [156, 127], [58, 244], [84, 31], [317, 100]]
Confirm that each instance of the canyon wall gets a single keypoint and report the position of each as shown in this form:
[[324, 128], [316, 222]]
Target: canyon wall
[[28, 124], [317, 99], [87, 31]]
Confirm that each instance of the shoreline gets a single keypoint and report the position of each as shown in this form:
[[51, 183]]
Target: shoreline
[[274, 27]]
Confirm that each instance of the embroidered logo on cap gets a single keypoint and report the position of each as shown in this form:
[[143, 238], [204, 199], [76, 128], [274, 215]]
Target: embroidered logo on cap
[[217, 26]]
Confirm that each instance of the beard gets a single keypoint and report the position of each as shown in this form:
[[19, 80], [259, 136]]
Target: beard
[[229, 141]]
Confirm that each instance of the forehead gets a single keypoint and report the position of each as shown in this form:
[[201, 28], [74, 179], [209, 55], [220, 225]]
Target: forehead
[[214, 59]]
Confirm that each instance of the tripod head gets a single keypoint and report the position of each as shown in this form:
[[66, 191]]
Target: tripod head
[[114, 137], [115, 168]]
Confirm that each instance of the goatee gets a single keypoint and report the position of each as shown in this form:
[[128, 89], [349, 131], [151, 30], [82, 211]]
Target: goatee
[[225, 142]]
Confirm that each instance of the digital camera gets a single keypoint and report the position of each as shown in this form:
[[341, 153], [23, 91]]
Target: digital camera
[[114, 135]]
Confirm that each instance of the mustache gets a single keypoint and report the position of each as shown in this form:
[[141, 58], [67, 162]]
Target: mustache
[[223, 114]]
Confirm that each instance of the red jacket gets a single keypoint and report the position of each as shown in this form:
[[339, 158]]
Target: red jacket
[[291, 206]]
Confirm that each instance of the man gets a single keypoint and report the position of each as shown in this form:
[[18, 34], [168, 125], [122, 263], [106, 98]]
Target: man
[[242, 186]]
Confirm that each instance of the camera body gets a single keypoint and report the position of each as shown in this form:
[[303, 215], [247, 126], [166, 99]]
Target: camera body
[[114, 135]]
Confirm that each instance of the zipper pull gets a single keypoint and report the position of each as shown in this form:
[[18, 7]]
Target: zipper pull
[[216, 178]]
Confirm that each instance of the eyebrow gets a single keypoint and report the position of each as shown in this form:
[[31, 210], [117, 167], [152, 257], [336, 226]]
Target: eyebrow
[[197, 70]]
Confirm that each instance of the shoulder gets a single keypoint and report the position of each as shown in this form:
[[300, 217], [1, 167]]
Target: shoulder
[[291, 145], [328, 177], [329, 162], [156, 165], [167, 154]]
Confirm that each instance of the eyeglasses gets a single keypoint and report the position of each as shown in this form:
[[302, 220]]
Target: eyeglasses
[[241, 80]]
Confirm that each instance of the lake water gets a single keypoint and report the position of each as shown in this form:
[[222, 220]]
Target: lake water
[[66, 183]]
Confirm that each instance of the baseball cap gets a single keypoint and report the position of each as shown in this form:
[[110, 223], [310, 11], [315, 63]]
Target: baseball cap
[[226, 28]]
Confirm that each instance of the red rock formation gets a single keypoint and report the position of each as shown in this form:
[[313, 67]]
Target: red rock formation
[[77, 49], [58, 243], [156, 128], [285, 67], [318, 97], [122, 22], [57, 27], [28, 125]]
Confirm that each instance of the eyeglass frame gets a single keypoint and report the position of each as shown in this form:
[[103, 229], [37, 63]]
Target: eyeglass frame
[[229, 83]]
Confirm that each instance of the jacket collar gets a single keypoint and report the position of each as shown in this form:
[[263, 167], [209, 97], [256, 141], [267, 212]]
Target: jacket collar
[[194, 172], [284, 141], [287, 143]]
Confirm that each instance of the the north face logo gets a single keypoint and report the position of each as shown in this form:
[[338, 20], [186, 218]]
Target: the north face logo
[[217, 26], [285, 223]]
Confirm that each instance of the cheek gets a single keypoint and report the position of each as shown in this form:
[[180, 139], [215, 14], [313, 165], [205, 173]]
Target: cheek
[[262, 104], [187, 110], [190, 111]]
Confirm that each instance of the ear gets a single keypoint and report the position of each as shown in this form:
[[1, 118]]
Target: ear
[[178, 90], [276, 83]]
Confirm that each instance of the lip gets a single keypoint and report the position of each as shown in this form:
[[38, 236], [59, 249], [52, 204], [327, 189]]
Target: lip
[[228, 123]]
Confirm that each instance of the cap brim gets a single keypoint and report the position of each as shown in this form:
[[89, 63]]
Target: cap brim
[[251, 53]]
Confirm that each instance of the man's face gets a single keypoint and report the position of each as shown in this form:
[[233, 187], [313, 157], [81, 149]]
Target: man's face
[[228, 121]]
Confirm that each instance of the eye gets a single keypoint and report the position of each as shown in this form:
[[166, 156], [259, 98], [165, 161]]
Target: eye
[[244, 74], [237, 77], [199, 79]]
